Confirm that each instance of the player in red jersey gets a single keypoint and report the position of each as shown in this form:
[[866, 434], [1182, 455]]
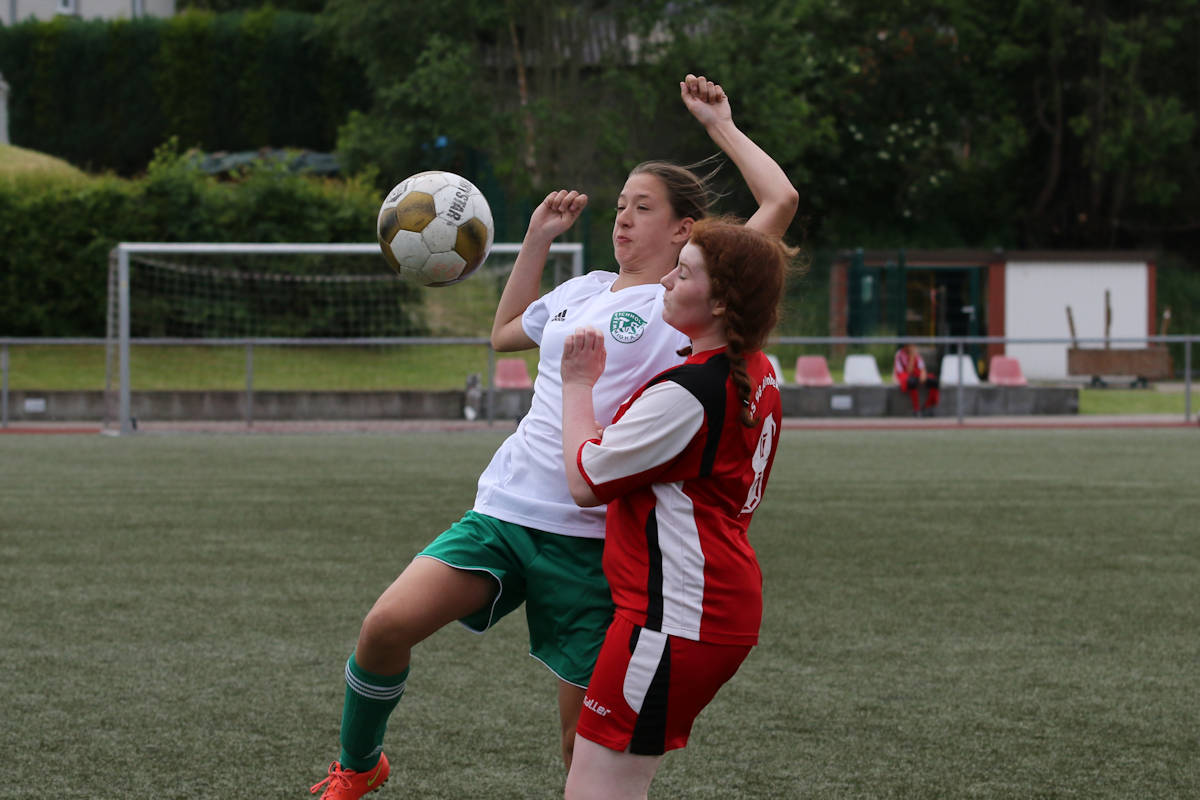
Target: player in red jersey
[[682, 467], [911, 376]]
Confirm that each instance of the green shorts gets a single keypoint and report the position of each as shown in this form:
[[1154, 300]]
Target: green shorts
[[560, 580]]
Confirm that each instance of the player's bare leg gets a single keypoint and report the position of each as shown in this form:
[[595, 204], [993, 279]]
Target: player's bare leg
[[427, 596], [424, 598], [570, 703], [598, 773]]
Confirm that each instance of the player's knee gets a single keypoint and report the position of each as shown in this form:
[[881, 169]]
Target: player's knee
[[384, 630], [579, 789]]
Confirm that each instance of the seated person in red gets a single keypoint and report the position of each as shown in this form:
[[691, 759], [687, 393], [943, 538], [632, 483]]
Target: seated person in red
[[910, 373]]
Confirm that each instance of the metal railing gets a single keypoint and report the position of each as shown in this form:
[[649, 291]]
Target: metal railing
[[958, 345], [16, 341], [122, 415]]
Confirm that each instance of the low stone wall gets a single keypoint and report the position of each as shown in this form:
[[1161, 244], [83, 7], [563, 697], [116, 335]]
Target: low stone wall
[[833, 401], [229, 405], [984, 400]]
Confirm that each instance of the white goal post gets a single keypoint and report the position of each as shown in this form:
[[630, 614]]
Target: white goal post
[[126, 253]]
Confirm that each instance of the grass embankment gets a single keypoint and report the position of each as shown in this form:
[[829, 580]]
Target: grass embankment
[[18, 165], [425, 367]]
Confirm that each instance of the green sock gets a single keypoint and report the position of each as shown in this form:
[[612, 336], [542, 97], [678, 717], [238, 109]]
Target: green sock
[[370, 699]]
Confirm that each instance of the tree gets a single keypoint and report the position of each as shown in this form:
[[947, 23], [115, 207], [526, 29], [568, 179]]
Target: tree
[[525, 94], [1110, 116], [1040, 123]]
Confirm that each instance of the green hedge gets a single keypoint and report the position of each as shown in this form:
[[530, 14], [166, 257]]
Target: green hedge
[[1179, 290], [104, 94], [57, 235]]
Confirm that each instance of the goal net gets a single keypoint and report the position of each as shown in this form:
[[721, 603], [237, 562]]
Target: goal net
[[181, 316]]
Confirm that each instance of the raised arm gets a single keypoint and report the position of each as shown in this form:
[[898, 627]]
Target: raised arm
[[776, 197], [553, 216]]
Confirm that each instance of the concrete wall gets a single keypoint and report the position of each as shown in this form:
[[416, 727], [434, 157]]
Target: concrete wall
[[1037, 294], [836, 401], [887, 401], [175, 406]]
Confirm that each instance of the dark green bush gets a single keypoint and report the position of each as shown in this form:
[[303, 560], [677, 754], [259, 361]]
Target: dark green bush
[[1179, 290], [54, 265], [103, 94]]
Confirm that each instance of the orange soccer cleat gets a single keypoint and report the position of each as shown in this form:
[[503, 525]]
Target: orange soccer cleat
[[346, 784]]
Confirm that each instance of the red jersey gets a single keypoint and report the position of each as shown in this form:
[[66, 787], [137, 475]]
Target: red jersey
[[905, 364], [682, 477]]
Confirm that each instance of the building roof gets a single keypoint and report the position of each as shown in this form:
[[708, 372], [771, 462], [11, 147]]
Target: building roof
[[965, 257]]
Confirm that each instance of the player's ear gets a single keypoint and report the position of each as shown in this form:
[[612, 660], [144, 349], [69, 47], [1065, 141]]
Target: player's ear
[[683, 231]]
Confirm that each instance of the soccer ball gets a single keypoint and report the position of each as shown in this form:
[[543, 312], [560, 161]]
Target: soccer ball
[[435, 228]]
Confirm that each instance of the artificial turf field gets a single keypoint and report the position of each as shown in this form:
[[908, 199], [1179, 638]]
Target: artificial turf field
[[949, 614]]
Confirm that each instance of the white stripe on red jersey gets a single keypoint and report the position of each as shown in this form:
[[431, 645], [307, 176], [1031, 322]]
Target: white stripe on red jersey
[[682, 477]]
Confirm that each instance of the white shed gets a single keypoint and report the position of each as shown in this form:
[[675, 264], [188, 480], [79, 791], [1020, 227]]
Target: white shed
[[1003, 294], [1109, 295]]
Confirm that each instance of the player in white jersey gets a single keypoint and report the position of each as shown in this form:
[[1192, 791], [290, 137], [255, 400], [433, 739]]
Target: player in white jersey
[[524, 483], [525, 540]]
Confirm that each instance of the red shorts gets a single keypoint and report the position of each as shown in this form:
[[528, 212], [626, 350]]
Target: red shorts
[[648, 688]]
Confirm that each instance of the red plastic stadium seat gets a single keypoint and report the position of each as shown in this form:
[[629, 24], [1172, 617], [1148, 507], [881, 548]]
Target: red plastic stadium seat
[[813, 371], [512, 373], [1005, 371]]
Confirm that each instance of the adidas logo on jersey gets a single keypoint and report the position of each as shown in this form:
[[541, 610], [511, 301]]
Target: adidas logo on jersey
[[560, 316]]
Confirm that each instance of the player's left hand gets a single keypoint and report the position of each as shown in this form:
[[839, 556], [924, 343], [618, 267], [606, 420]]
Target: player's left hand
[[705, 99], [583, 357], [557, 213]]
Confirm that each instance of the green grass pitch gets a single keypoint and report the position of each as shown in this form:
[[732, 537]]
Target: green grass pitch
[[950, 614]]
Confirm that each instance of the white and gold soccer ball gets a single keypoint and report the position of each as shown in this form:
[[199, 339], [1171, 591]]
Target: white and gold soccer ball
[[435, 228]]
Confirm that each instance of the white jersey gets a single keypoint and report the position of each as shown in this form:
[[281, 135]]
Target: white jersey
[[525, 482]]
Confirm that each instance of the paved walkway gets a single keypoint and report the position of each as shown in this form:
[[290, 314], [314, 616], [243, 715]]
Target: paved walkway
[[1048, 422]]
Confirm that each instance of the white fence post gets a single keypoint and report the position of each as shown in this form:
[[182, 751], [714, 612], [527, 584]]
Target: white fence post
[[3, 111], [4, 386], [1187, 381], [124, 414]]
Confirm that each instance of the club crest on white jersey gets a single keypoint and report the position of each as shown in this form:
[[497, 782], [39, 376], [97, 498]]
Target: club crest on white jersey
[[626, 326]]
